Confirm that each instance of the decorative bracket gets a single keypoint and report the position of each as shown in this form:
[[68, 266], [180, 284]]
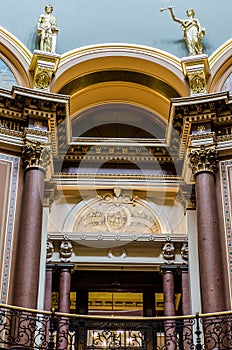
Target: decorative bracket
[[196, 70], [43, 67]]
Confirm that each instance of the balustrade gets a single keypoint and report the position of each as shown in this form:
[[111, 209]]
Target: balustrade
[[33, 329]]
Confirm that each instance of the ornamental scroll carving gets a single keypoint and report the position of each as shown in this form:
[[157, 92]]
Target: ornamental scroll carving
[[168, 251], [66, 250], [35, 154], [117, 213], [184, 252], [204, 158], [50, 249]]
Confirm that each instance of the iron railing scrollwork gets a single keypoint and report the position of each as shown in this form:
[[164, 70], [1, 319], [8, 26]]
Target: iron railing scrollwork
[[33, 329]]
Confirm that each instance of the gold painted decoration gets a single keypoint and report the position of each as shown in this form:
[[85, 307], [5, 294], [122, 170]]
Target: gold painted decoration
[[35, 154], [193, 31], [196, 70], [203, 158]]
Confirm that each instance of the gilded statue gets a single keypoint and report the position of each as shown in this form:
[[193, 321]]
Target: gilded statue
[[47, 30], [193, 32]]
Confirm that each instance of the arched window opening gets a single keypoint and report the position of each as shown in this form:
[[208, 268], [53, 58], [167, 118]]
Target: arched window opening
[[7, 78], [118, 120]]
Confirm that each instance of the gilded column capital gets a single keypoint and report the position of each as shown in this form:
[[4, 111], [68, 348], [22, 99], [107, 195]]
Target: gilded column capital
[[204, 158], [36, 155]]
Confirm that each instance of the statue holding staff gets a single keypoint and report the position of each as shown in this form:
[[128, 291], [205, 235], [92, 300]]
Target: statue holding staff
[[193, 32], [47, 30]]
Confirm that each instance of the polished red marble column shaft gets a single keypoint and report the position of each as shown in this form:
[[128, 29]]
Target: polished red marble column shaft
[[209, 244], [169, 294], [29, 240], [169, 307], [48, 287], [64, 288], [186, 297]]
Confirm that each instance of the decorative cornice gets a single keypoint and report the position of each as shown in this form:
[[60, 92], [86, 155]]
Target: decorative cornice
[[36, 155], [203, 158]]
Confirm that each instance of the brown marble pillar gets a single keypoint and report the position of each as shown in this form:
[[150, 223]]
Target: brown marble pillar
[[204, 165], [65, 287], [64, 305], [169, 306], [168, 290], [27, 265], [186, 297], [48, 287], [187, 335]]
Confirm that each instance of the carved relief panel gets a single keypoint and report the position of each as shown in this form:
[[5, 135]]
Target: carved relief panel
[[117, 213]]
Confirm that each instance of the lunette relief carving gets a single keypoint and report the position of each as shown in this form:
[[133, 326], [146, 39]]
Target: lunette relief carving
[[119, 213]]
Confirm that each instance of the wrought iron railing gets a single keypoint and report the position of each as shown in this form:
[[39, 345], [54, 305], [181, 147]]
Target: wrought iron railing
[[33, 329]]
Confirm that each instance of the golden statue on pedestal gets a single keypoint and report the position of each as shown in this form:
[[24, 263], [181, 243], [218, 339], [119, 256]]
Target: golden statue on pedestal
[[193, 32], [47, 30]]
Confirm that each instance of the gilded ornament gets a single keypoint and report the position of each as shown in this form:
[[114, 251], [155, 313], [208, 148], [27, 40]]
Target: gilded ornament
[[35, 154], [203, 158], [42, 80], [197, 84], [193, 32]]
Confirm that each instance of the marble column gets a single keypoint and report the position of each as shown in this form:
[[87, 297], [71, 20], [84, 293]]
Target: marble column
[[204, 166], [48, 287], [169, 290], [64, 305], [186, 297], [169, 306], [35, 159], [65, 287]]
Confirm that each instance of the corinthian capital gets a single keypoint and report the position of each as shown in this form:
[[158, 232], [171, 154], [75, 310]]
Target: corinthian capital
[[36, 155], [204, 158]]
